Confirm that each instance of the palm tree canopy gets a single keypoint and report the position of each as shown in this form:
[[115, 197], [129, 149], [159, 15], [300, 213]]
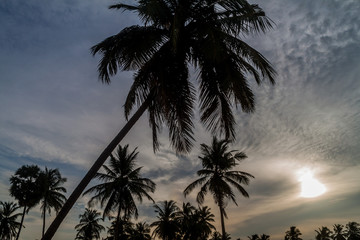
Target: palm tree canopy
[[217, 175], [338, 232], [122, 183], [53, 192], [176, 34], [89, 227], [353, 231], [167, 225], [323, 233], [8, 220], [27, 186], [293, 234]]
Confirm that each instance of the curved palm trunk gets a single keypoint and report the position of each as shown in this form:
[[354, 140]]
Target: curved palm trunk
[[92, 171], [21, 223]]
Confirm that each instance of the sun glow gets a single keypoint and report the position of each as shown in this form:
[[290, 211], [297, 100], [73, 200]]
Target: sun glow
[[310, 187]]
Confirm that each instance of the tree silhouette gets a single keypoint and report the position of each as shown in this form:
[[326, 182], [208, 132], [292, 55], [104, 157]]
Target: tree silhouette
[[218, 176], [89, 227], [8, 220], [352, 231], [293, 234], [175, 34], [26, 188], [323, 233], [167, 227], [338, 232], [52, 196], [121, 184]]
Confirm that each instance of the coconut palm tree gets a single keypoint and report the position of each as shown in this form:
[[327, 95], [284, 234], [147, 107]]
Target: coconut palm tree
[[8, 220], [89, 227], [353, 231], [167, 227], [293, 234], [205, 33], [338, 232], [217, 176], [264, 237], [254, 237], [141, 231], [53, 193], [122, 183], [323, 233], [27, 188], [125, 229]]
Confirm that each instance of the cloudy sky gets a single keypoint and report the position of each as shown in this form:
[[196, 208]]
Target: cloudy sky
[[54, 112]]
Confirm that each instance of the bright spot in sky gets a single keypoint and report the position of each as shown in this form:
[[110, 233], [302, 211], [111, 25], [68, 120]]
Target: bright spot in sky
[[310, 187]]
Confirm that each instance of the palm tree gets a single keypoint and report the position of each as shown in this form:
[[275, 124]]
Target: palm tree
[[203, 219], [89, 227], [264, 237], [293, 234], [167, 226], [8, 220], [52, 195], [141, 231], [323, 233], [26, 188], [124, 229], [254, 237], [353, 231], [205, 33], [217, 176], [339, 233], [121, 183]]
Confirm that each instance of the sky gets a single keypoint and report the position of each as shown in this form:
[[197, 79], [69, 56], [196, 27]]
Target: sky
[[55, 112]]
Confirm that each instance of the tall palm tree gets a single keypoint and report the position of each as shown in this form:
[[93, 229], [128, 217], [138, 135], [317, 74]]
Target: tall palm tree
[[217, 176], [204, 33], [167, 226], [323, 233], [8, 220], [27, 188], [122, 183], [338, 232], [293, 234], [53, 193], [353, 231], [89, 227]]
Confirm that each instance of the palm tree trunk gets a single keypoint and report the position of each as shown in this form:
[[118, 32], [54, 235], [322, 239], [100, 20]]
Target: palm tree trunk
[[92, 171], [116, 230], [222, 222], [21, 223], [44, 212]]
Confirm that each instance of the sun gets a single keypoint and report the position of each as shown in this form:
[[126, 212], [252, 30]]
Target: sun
[[310, 187]]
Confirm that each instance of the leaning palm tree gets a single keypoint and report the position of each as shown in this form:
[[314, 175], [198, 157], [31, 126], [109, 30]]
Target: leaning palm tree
[[217, 176], [8, 220], [27, 188], [338, 232], [89, 227], [53, 193], [205, 33], [122, 183], [293, 234], [167, 227]]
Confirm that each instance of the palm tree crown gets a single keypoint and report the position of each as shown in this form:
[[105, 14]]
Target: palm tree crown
[[205, 33], [167, 226], [53, 192], [8, 220], [89, 227], [121, 184], [293, 234], [217, 175]]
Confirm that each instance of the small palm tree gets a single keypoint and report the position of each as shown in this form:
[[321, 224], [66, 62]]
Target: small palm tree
[[167, 227], [141, 231], [339, 233], [323, 233], [26, 188], [8, 220], [53, 193], [254, 237], [122, 183], [353, 231], [264, 237], [89, 227], [293, 234], [217, 176]]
